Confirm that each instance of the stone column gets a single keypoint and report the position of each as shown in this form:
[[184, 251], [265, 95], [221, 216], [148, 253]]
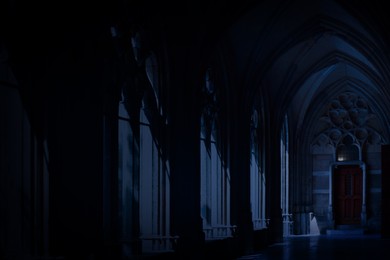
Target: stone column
[[273, 187], [184, 155], [240, 180]]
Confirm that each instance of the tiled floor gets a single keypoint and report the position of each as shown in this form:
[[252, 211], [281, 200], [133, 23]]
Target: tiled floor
[[356, 247]]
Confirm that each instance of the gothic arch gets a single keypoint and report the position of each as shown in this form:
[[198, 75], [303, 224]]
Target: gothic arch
[[348, 125]]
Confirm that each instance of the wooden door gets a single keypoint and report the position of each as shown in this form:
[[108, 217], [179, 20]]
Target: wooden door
[[348, 188]]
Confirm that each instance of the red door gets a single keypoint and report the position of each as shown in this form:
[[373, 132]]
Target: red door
[[347, 188]]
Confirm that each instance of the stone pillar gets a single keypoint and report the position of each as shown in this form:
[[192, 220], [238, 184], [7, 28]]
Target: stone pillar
[[364, 197], [185, 181], [273, 182], [240, 181], [184, 133], [330, 206]]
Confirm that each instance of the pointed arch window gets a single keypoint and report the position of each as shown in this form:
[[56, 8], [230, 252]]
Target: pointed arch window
[[128, 175], [257, 176], [284, 188], [154, 194], [215, 176], [154, 168], [143, 172]]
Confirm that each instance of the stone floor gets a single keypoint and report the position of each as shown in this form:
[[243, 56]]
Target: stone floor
[[367, 246]]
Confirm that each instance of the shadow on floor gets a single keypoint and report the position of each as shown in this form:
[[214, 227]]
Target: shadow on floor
[[368, 246]]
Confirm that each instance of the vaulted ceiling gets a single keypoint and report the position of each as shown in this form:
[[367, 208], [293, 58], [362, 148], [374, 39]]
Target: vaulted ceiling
[[301, 54], [298, 54]]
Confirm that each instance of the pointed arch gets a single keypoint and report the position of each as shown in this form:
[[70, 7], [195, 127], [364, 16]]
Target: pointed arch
[[215, 174]]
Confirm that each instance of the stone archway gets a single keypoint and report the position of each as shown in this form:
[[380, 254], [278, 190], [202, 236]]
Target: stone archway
[[349, 137]]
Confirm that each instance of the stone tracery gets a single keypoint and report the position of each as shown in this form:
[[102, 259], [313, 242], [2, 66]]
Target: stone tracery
[[348, 114]]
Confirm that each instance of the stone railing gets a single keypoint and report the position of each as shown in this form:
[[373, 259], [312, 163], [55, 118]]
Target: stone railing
[[260, 223], [155, 244], [219, 232]]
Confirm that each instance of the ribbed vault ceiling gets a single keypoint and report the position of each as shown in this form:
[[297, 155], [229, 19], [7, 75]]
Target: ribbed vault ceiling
[[301, 55], [297, 54]]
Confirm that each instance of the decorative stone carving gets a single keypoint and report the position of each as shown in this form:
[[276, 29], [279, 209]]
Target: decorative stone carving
[[335, 134], [361, 133], [375, 139], [323, 145], [347, 114]]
